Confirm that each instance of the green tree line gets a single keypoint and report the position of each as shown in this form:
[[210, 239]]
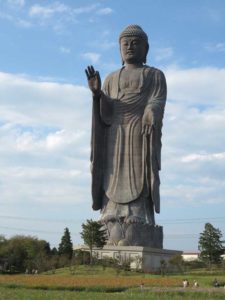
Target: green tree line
[[31, 255]]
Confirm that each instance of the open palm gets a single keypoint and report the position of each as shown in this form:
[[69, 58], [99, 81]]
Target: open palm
[[94, 80]]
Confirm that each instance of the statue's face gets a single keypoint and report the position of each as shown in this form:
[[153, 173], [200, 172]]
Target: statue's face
[[133, 49]]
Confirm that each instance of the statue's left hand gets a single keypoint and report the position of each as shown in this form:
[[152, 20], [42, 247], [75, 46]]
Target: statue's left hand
[[148, 121]]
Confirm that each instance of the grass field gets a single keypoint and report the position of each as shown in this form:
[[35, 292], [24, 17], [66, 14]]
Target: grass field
[[135, 294], [98, 283]]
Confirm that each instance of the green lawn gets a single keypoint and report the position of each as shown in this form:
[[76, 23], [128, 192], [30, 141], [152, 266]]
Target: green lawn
[[135, 294]]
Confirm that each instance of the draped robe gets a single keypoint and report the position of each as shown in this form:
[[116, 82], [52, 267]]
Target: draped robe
[[125, 162]]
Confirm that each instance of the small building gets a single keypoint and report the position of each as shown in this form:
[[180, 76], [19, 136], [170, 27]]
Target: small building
[[190, 256]]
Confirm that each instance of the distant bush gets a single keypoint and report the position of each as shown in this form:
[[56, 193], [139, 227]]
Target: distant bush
[[81, 257], [194, 264]]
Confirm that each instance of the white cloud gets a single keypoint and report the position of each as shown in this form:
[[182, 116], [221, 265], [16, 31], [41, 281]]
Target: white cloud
[[196, 86], [17, 21], [62, 139], [193, 136], [92, 57], [85, 9], [48, 101], [45, 129], [58, 141], [59, 16], [104, 11], [48, 10], [43, 185], [56, 15], [203, 157]]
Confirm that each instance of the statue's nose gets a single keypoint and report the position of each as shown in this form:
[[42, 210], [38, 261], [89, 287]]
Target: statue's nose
[[129, 46]]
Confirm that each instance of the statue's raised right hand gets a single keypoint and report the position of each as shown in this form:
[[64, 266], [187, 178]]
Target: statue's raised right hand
[[94, 80]]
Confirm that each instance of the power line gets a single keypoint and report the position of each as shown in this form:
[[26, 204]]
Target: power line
[[192, 220], [31, 230], [181, 236], [164, 221], [41, 219], [167, 236]]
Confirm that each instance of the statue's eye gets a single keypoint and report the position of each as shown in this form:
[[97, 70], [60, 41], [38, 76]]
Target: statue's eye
[[135, 43]]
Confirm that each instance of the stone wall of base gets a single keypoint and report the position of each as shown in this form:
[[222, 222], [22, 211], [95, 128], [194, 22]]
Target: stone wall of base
[[145, 258]]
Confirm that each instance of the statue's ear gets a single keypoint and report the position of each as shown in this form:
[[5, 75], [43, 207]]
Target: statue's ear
[[121, 56], [146, 53]]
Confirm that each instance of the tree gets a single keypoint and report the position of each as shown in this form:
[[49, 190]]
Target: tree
[[54, 251], [210, 245], [66, 245], [2, 239], [177, 262], [93, 235], [21, 253], [163, 266]]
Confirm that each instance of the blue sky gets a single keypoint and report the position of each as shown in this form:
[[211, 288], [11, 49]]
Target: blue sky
[[45, 111]]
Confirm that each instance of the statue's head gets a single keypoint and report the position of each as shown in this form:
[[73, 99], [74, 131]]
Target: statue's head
[[133, 45]]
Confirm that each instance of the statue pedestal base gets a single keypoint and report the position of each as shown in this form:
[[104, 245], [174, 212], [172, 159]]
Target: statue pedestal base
[[136, 234], [142, 258]]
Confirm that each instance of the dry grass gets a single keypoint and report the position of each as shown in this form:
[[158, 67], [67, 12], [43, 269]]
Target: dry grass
[[85, 281]]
